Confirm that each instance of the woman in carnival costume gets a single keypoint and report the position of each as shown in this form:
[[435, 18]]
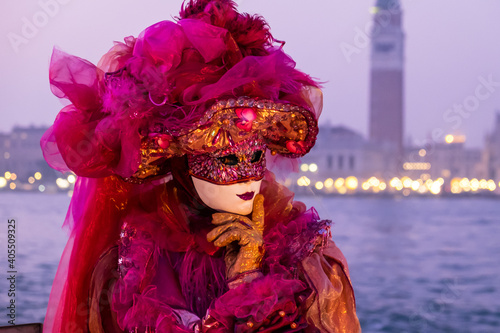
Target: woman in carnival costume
[[176, 223]]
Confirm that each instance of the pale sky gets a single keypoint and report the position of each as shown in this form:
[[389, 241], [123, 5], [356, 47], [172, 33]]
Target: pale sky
[[450, 46]]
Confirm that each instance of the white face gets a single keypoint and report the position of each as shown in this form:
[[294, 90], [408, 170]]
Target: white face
[[236, 198]]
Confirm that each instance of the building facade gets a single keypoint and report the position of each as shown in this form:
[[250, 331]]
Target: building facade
[[20, 154]]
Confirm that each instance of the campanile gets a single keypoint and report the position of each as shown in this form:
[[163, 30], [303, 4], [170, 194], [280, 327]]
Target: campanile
[[386, 79]]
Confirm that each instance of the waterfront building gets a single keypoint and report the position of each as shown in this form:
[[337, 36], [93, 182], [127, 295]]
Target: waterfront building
[[448, 160], [21, 155]]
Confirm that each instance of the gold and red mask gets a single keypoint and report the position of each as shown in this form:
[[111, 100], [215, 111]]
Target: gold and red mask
[[222, 144], [241, 163]]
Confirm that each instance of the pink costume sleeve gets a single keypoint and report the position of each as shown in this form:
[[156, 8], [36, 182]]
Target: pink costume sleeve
[[146, 297]]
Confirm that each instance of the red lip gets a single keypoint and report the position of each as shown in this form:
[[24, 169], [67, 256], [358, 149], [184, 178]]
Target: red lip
[[246, 196]]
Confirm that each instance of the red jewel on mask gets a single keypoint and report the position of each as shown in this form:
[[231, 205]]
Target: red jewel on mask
[[296, 147], [164, 141], [247, 116]]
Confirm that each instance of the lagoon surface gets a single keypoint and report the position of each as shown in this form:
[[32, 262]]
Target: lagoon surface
[[417, 264]]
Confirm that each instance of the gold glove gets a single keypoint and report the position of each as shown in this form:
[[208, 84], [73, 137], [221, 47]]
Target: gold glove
[[242, 238]]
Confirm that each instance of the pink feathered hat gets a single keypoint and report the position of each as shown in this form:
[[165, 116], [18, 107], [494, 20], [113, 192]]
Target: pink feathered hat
[[209, 80]]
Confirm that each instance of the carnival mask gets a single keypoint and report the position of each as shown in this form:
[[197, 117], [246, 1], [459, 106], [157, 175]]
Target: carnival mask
[[229, 179], [238, 163]]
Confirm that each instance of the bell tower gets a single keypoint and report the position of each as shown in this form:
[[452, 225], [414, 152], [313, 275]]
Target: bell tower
[[386, 79]]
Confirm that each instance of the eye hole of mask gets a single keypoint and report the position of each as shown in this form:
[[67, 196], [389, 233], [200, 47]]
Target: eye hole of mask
[[231, 159], [256, 156]]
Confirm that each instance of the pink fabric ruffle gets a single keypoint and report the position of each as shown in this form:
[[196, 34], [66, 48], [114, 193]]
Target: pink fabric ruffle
[[288, 244], [148, 312], [82, 138], [260, 303]]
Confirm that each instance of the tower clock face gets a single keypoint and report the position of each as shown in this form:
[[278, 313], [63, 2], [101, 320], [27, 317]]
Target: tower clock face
[[387, 53]]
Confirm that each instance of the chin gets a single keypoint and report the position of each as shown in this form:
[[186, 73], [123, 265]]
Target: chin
[[244, 209], [224, 198]]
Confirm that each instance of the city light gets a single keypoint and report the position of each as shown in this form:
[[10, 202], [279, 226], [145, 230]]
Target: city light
[[474, 184], [319, 185], [424, 185], [435, 188], [491, 185], [313, 167], [373, 181], [339, 183], [351, 183], [422, 189], [329, 183], [71, 179], [455, 186], [422, 152], [417, 166], [459, 185], [454, 138], [378, 185], [62, 183], [415, 185], [303, 181], [406, 182], [396, 183]]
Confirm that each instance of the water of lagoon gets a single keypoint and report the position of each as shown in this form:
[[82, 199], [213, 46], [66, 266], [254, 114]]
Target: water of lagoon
[[417, 265]]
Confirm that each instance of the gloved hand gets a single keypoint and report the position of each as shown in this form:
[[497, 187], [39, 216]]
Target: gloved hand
[[243, 240]]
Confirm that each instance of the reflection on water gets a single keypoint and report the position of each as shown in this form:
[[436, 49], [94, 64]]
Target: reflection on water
[[419, 265], [39, 244]]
